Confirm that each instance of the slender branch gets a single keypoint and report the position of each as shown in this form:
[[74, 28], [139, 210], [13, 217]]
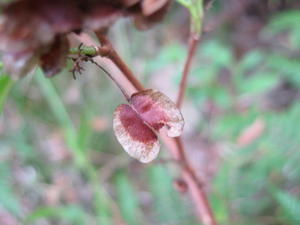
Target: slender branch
[[193, 182], [174, 145], [107, 50], [113, 79], [196, 188], [195, 8], [182, 86]]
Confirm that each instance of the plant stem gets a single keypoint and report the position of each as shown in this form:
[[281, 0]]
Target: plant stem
[[182, 86], [107, 50], [195, 187], [194, 184], [174, 145]]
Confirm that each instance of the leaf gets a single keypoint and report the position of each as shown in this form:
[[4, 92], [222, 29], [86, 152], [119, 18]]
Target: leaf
[[127, 199], [53, 61], [137, 139], [250, 60], [219, 54], [5, 85], [289, 205], [84, 131], [168, 207], [151, 6], [70, 213], [288, 20], [57, 107], [258, 83], [8, 198]]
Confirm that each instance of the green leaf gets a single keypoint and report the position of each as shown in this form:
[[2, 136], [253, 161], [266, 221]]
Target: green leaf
[[8, 198], [57, 107], [167, 206], [285, 66], [250, 60], [219, 54], [171, 54], [84, 132], [5, 85], [258, 83], [289, 205], [127, 200], [285, 21], [71, 213]]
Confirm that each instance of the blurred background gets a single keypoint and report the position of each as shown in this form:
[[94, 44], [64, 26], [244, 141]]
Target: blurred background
[[61, 164]]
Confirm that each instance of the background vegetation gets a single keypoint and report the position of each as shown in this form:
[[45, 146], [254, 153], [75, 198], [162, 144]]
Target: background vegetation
[[61, 164]]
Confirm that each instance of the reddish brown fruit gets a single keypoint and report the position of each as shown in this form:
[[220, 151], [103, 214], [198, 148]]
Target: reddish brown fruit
[[134, 125], [137, 139], [157, 110]]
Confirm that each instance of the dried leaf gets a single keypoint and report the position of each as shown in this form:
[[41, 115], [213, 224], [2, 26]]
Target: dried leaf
[[151, 6], [63, 16], [137, 139], [22, 35], [28, 28], [129, 2], [142, 21], [17, 64], [158, 111], [54, 60], [101, 15]]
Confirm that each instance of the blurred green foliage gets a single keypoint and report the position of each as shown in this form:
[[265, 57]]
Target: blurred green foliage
[[255, 184]]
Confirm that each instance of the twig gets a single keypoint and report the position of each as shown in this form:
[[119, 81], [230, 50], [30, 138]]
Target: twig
[[182, 86], [107, 50], [195, 187], [173, 144], [193, 182]]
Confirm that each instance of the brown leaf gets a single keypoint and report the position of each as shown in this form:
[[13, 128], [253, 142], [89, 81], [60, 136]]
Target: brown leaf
[[137, 139], [62, 16], [53, 61], [158, 111], [101, 15], [130, 2], [28, 28], [22, 36], [151, 6], [142, 21], [22, 28], [17, 64]]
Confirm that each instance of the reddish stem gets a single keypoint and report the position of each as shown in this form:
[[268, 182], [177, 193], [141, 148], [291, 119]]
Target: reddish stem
[[195, 186], [193, 182], [174, 144], [182, 86], [107, 50]]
